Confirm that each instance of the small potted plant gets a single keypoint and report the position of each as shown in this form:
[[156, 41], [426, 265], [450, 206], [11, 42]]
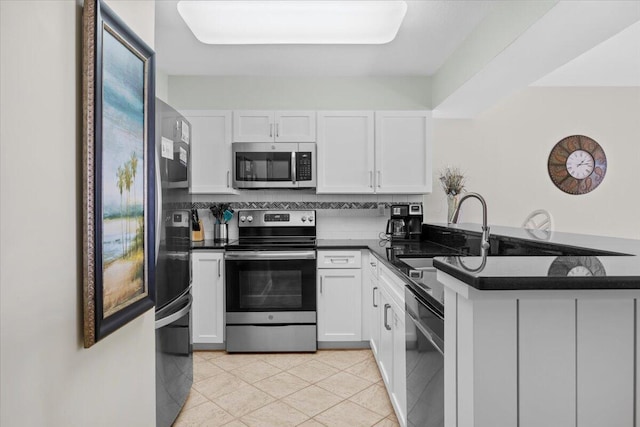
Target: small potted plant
[[222, 213], [452, 181]]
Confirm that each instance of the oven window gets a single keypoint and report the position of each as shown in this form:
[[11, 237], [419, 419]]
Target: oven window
[[270, 285], [263, 166], [270, 290]]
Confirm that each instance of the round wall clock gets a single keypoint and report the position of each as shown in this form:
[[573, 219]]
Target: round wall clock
[[577, 164]]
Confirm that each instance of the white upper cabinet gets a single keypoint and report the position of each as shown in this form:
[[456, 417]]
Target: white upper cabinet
[[403, 152], [210, 151], [274, 126], [345, 152], [388, 152]]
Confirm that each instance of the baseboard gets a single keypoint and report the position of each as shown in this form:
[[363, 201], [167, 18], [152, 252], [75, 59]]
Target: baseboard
[[209, 346], [342, 345]]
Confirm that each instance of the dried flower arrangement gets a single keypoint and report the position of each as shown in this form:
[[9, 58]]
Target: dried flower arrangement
[[452, 181]]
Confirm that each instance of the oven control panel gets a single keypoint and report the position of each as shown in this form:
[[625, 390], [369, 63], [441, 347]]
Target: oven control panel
[[268, 218]]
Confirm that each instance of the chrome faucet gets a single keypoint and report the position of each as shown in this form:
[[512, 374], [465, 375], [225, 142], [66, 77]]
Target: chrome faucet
[[484, 244]]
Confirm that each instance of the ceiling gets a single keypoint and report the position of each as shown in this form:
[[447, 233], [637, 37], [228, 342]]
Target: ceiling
[[430, 33], [614, 62]]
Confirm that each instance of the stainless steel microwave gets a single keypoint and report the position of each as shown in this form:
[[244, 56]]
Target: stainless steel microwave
[[278, 165]]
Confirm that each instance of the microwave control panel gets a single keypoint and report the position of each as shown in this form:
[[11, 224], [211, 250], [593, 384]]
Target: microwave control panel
[[303, 166]]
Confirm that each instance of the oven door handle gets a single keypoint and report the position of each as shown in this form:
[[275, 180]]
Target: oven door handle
[[269, 255]]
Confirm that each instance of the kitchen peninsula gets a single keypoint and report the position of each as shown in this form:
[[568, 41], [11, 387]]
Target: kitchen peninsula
[[542, 340]]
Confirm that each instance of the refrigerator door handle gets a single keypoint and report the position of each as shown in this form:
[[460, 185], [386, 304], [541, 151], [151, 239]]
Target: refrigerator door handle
[[160, 323], [158, 207]]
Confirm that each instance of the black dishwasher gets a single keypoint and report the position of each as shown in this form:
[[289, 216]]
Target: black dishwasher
[[425, 361]]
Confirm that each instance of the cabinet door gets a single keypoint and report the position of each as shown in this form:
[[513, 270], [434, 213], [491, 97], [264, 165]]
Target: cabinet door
[[253, 126], [339, 311], [345, 152], [374, 321], [399, 375], [295, 126], [385, 349], [403, 152], [210, 151], [208, 297]]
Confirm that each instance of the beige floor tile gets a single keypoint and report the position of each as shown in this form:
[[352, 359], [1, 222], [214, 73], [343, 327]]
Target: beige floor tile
[[235, 423], [203, 369], [374, 398], [313, 371], [229, 362], [344, 384], [311, 423], [281, 385], [219, 385], [207, 414], [393, 418], [348, 414], [243, 401], [277, 414], [286, 361], [387, 422], [342, 359], [209, 354], [312, 400], [194, 399], [367, 369], [256, 371]]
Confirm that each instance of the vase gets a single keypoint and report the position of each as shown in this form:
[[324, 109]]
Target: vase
[[220, 232], [452, 206]]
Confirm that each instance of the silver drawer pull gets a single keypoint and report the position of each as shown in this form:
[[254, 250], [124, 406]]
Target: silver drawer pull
[[386, 308]]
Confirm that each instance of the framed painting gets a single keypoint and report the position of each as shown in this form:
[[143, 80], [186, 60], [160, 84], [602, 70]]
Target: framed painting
[[118, 173]]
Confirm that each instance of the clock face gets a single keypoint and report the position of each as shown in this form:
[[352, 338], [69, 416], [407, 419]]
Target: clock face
[[579, 271], [577, 164], [580, 164]]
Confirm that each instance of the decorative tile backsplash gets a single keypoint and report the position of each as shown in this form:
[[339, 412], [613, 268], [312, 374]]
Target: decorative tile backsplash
[[296, 205]]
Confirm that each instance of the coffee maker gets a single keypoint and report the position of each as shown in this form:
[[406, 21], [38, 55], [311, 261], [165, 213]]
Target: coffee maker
[[405, 222]]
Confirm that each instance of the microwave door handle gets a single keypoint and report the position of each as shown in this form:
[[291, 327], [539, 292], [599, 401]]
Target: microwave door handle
[[293, 166]]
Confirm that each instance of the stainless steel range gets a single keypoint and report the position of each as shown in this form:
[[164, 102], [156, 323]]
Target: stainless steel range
[[271, 282]]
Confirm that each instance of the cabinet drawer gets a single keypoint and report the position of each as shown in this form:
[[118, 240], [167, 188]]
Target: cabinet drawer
[[339, 259]]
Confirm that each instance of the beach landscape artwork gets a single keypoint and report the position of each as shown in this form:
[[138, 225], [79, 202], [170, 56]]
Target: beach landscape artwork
[[123, 143], [118, 143]]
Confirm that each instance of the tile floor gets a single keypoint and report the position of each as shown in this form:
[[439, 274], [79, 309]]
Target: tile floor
[[329, 388]]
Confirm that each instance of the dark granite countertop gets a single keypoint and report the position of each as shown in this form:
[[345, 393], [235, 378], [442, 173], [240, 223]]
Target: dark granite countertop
[[565, 261], [519, 259]]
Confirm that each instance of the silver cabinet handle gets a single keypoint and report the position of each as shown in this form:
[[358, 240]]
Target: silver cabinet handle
[[339, 260], [219, 273], [370, 179], [277, 130], [321, 284], [386, 308], [271, 130], [379, 179], [373, 294], [228, 176]]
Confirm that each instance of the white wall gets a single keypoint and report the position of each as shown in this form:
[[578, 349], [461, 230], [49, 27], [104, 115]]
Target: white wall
[[299, 93], [504, 153], [47, 377]]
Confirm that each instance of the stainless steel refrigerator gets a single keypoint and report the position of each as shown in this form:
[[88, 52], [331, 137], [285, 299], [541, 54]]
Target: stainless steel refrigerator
[[174, 352]]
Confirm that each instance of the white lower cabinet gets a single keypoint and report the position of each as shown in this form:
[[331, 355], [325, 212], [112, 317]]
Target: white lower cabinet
[[389, 337], [208, 297], [339, 296], [373, 305]]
